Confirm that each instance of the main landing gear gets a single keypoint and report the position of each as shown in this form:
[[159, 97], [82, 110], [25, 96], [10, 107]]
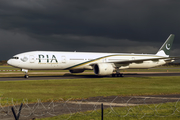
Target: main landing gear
[[117, 74], [26, 73]]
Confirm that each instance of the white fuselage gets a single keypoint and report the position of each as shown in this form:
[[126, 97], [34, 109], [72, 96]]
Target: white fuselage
[[78, 60]]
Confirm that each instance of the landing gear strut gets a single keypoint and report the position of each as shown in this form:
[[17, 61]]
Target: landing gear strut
[[117, 74], [26, 73]]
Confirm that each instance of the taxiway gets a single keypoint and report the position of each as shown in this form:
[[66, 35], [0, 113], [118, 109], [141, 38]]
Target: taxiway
[[79, 76]]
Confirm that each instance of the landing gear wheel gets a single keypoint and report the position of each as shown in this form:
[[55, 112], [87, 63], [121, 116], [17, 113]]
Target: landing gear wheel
[[117, 75], [121, 75], [113, 75], [26, 76]]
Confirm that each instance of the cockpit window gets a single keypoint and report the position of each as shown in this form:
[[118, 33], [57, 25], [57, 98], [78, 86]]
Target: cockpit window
[[15, 57]]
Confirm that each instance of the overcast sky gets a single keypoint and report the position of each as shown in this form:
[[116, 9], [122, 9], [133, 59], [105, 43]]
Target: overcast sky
[[135, 26]]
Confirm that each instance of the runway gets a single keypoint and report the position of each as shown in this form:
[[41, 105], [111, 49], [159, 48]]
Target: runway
[[80, 76]]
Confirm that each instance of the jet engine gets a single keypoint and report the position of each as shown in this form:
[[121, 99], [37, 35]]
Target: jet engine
[[76, 71], [103, 69]]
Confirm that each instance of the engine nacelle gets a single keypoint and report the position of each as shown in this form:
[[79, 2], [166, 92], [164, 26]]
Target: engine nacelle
[[103, 69], [76, 71]]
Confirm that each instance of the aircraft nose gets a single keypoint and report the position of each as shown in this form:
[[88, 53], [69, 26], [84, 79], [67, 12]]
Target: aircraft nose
[[12, 62], [9, 62]]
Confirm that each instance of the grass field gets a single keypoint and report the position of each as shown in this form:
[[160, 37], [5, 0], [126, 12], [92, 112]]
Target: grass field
[[88, 87]]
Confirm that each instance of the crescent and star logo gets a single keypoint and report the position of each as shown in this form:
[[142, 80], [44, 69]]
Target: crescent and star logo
[[24, 59], [168, 46]]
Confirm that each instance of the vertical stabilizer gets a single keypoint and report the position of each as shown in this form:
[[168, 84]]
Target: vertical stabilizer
[[166, 47]]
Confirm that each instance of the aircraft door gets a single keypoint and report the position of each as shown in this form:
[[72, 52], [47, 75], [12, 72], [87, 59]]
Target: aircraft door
[[104, 60], [133, 58], [31, 59], [63, 59]]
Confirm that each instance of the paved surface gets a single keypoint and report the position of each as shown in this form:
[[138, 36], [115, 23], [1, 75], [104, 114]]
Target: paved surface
[[69, 76]]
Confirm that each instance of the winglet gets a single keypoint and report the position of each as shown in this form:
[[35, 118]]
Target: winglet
[[166, 47]]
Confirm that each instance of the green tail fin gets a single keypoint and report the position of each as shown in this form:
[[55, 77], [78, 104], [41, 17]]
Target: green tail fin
[[166, 47]]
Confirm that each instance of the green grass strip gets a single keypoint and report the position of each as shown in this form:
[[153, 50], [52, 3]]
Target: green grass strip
[[46, 90]]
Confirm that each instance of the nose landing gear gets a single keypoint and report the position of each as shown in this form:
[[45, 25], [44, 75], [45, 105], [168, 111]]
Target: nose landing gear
[[26, 73]]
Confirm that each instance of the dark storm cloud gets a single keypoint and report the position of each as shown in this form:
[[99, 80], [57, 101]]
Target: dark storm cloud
[[96, 25]]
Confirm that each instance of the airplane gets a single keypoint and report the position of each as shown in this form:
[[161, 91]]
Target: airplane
[[103, 64]]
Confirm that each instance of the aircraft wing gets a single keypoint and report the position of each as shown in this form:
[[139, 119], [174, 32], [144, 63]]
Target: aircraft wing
[[142, 60], [126, 62]]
